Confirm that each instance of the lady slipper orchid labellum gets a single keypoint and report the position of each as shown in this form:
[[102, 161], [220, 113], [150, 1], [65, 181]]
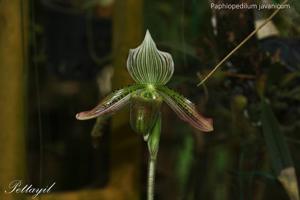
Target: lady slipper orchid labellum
[[151, 69]]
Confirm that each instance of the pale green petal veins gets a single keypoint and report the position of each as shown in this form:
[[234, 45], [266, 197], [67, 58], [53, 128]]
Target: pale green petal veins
[[147, 65]]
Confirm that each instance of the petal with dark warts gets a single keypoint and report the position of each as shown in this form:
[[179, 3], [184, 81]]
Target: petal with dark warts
[[111, 103], [185, 109]]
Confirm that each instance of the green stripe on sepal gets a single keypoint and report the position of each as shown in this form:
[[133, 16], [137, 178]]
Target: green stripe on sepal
[[154, 138]]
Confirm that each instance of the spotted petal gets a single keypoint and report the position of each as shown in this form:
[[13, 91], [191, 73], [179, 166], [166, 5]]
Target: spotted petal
[[185, 109], [147, 65], [111, 103]]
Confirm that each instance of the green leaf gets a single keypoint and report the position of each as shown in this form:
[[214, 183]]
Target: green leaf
[[184, 164], [279, 153], [154, 138], [288, 179]]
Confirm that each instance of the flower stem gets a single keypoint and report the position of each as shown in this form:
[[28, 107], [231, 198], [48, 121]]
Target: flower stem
[[153, 145], [151, 179]]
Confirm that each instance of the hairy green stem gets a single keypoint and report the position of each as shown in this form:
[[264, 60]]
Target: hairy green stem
[[151, 179], [153, 146]]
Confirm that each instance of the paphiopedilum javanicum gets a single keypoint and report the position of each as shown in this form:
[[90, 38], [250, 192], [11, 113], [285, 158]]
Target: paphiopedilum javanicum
[[151, 69]]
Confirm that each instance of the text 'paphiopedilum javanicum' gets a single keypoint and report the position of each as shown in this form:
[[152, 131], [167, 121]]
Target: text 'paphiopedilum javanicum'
[[151, 69]]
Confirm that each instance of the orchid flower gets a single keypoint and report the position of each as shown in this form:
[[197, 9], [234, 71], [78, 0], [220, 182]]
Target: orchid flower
[[151, 69]]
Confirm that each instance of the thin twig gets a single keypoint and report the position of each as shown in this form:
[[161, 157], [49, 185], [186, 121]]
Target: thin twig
[[242, 43]]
